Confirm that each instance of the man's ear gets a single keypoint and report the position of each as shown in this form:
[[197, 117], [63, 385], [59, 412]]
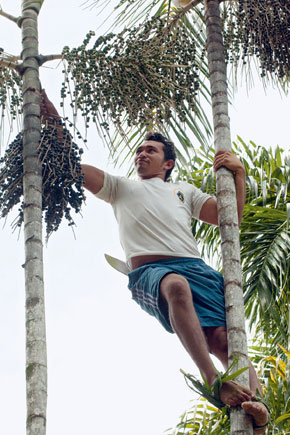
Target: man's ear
[[169, 164]]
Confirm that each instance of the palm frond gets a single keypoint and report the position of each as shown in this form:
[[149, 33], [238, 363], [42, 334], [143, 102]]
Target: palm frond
[[265, 234], [202, 418], [254, 31], [151, 77], [265, 251], [211, 393]]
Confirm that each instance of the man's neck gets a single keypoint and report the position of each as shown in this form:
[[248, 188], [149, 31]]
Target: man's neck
[[151, 177]]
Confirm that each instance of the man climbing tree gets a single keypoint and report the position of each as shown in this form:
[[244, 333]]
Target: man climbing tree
[[167, 277]]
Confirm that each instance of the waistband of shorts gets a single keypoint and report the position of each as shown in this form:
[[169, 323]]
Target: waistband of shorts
[[170, 261]]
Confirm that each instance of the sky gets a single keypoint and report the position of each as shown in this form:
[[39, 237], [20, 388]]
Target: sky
[[111, 367]]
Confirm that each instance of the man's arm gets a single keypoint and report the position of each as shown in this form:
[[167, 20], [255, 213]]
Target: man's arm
[[93, 177], [208, 211], [49, 115]]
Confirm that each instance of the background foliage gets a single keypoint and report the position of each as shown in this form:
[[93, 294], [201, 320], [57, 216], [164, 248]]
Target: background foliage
[[265, 257], [273, 370], [265, 233]]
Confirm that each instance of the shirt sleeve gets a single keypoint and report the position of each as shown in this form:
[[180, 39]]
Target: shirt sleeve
[[198, 199], [109, 190]]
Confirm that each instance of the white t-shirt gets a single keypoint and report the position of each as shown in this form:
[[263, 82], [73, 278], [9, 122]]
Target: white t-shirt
[[154, 216]]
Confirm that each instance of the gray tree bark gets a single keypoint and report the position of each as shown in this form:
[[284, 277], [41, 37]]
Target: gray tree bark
[[36, 359], [227, 211]]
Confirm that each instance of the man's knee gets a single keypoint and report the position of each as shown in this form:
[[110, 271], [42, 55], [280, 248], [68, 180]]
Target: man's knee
[[217, 339], [175, 289]]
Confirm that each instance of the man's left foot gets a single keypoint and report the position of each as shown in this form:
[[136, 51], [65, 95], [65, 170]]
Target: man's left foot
[[259, 413]]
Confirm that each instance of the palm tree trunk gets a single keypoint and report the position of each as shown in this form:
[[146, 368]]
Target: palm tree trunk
[[36, 360], [227, 211]]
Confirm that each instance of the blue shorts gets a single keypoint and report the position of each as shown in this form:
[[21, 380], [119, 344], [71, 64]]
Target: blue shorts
[[207, 287]]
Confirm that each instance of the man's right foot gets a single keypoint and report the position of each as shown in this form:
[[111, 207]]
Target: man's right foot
[[260, 415]]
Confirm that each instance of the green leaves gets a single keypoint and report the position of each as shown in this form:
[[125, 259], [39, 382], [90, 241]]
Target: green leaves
[[205, 419], [211, 393], [265, 241], [265, 233], [202, 419], [276, 390], [265, 259]]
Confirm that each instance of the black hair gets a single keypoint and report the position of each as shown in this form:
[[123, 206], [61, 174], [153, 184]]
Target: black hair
[[168, 148]]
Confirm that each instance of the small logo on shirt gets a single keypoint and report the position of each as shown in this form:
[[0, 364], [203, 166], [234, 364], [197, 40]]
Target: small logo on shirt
[[180, 196]]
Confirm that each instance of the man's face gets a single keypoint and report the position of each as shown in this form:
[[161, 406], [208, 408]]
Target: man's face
[[149, 160]]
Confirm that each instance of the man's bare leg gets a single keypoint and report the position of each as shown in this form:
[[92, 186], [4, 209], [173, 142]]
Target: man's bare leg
[[217, 342], [175, 291], [216, 338]]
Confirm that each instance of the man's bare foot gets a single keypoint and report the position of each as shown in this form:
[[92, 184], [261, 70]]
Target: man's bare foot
[[233, 394], [259, 413]]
